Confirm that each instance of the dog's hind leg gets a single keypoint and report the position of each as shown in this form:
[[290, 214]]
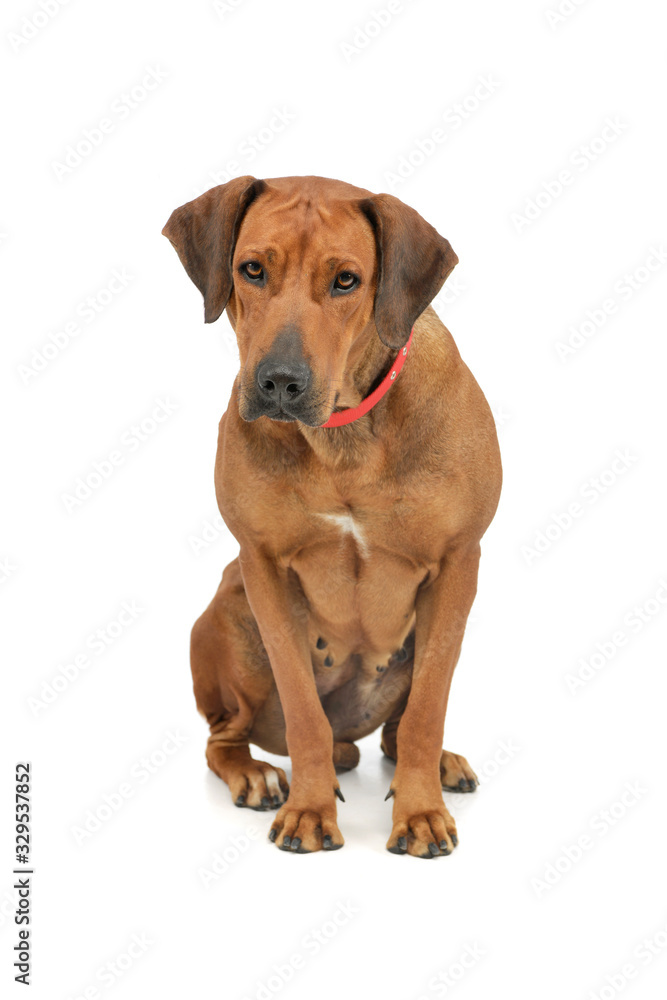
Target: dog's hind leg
[[345, 756], [388, 738], [456, 774], [232, 681]]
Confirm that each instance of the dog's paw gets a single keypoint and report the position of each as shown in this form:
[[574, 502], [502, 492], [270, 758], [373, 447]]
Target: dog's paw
[[258, 786], [427, 834], [456, 774], [303, 830]]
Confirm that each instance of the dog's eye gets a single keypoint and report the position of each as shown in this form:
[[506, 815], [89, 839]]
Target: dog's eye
[[345, 281], [253, 270]]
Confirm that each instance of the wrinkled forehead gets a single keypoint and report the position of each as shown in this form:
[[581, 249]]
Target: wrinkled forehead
[[308, 225]]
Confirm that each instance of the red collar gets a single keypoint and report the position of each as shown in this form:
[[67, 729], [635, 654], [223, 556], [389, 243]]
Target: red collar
[[354, 412]]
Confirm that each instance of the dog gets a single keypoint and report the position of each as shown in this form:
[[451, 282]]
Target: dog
[[358, 468]]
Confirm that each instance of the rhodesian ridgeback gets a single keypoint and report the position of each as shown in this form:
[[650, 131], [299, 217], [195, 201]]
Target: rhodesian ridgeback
[[358, 468]]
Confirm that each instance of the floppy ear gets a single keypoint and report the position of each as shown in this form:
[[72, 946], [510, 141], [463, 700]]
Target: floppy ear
[[413, 262], [203, 233]]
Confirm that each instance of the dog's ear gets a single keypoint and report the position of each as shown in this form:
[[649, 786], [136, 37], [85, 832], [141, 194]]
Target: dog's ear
[[203, 233], [413, 262]]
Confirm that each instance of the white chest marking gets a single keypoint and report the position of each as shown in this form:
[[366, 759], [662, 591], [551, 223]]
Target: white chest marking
[[349, 526]]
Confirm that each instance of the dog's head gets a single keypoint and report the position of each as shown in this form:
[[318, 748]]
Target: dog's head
[[307, 269]]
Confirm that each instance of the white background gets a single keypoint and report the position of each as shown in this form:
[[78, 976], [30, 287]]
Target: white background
[[519, 290]]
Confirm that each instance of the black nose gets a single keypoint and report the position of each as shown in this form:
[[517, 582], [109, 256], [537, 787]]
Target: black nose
[[278, 380]]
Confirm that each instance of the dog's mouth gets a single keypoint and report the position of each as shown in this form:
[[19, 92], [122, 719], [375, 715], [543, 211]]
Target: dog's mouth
[[281, 415], [309, 418], [251, 408]]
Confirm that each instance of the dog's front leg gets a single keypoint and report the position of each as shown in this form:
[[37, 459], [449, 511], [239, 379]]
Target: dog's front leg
[[307, 821], [422, 826]]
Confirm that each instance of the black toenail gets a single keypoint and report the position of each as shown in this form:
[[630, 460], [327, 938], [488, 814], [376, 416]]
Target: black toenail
[[276, 800], [463, 783], [338, 792], [328, 661], [400, 847], [272, 836], [296, 844], [455, 839], [327, 843], [444, 847], [286, 841], [321, 643], [265, 801], [240, 800], [433, 848]]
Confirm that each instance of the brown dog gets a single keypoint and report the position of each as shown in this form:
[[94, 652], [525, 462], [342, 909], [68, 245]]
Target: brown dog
[[359, 544]]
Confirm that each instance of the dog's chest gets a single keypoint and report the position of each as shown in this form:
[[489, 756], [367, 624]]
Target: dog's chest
[[359, 583], [349, 528]]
